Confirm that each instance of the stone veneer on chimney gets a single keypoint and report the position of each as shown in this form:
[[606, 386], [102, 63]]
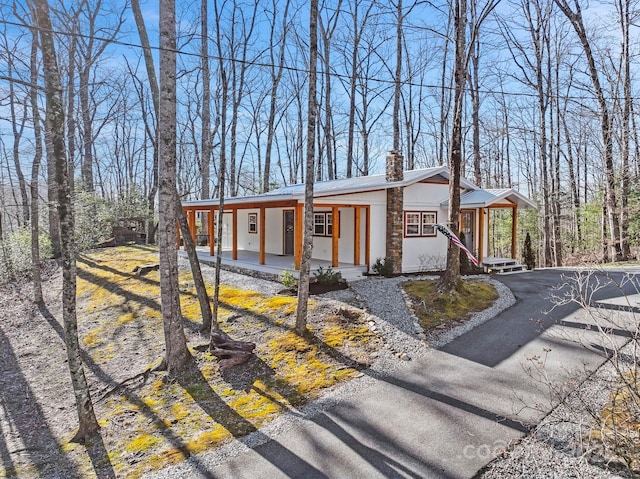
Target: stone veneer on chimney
[[395, 208]]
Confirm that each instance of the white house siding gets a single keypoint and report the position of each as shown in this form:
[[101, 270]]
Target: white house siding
[[377, 215], [425, 253], [251, 241], [274, 241]]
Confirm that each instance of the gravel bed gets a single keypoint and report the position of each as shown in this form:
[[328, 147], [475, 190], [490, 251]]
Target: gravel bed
[[559, 446], [398, 327], [236, 280]]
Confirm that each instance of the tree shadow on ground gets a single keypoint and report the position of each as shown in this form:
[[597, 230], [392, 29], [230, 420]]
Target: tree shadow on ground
[[21, 407], [219, 411]]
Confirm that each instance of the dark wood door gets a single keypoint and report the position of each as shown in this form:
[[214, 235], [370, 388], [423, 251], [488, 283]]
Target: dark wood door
[[288, 232]]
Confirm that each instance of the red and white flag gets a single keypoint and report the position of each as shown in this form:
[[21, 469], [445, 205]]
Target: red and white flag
[[455, 240]]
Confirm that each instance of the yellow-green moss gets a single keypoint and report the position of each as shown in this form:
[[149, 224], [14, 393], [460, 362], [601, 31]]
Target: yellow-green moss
[[142, 443], [199, 414]]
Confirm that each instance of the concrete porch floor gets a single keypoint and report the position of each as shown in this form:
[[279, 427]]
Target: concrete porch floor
[[275, 265]]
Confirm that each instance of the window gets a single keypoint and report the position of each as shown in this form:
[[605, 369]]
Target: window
[[429, 219], [253, 222], [420, 223], [323, 224], [319, 224], [412, 224]]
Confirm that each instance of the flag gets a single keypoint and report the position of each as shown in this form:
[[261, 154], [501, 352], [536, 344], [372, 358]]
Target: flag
[[455, 240]]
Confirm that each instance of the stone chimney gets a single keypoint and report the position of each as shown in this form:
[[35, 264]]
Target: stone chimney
[[395, 210], [395, 166]]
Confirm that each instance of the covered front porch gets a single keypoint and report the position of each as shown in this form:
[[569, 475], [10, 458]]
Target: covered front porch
[[274, 264], [266, 235]]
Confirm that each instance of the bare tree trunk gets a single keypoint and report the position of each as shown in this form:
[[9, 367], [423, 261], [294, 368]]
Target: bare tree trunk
[[329, 131], [307, 237], [445, 99], [196, 272], [222, 170], [36, 269], [155, 95], [625, 23], [474, 90], [451, 279], [177, 356], [574, 15], [17, 127], [205, 160], [88, 425], [277, 69]]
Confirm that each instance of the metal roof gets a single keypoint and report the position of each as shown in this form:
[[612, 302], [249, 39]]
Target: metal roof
[[485, 198], [341, 186]]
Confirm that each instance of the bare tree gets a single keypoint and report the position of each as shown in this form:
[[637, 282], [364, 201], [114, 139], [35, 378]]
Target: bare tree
[[36, 269], [451, 279], [155, 95], [177, 357], [88, 425], [277, 64], [572, 10], [307, 236], [18, 118]]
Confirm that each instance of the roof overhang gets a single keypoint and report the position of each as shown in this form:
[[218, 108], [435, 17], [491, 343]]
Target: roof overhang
[[496, 198], [329, 188]]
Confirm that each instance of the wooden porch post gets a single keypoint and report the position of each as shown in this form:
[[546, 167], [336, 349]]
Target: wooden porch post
[[481, 238], [178, 235], [514, 231], [356, 235], [297, 221], [212, 232], [335, 215], [191, 219], [367, 238], [234, 234], [262, 221]]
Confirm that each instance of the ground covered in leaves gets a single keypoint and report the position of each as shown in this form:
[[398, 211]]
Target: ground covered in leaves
[[147, 420]]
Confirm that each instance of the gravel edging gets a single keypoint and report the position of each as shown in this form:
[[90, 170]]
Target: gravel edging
[[394, 322], [557, 446]]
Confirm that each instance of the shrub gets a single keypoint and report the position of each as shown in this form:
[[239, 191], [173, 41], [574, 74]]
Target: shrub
[[327, 276], [383, 267], [15, 253], [95, 216], [527, 253], [288, 280]]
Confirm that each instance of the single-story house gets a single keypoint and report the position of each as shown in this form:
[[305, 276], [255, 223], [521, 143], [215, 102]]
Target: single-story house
[[350, 221]]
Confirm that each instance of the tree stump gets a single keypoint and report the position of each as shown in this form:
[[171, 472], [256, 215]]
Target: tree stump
[[229, 351], [145, 269]]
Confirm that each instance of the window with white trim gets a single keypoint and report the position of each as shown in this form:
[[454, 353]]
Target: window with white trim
[[411, 223], [420, 223], [323, 224], [320, 224], [253, 222], [429, 220]]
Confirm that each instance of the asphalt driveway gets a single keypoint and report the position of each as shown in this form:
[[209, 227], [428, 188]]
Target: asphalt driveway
[[447, 413]]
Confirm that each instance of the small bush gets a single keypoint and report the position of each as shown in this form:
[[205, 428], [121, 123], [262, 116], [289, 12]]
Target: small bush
[[15, 254], [527, 253], [288, 280], [327, 276], [383, 267]]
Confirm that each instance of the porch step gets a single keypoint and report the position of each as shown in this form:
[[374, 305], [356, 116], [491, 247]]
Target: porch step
[[502, 265]]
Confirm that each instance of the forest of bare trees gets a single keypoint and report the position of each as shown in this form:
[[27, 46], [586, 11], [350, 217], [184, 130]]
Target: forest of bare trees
[[547, 106]]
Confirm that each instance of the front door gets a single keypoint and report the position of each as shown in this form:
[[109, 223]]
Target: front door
[[468, 227], [288, 232]]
